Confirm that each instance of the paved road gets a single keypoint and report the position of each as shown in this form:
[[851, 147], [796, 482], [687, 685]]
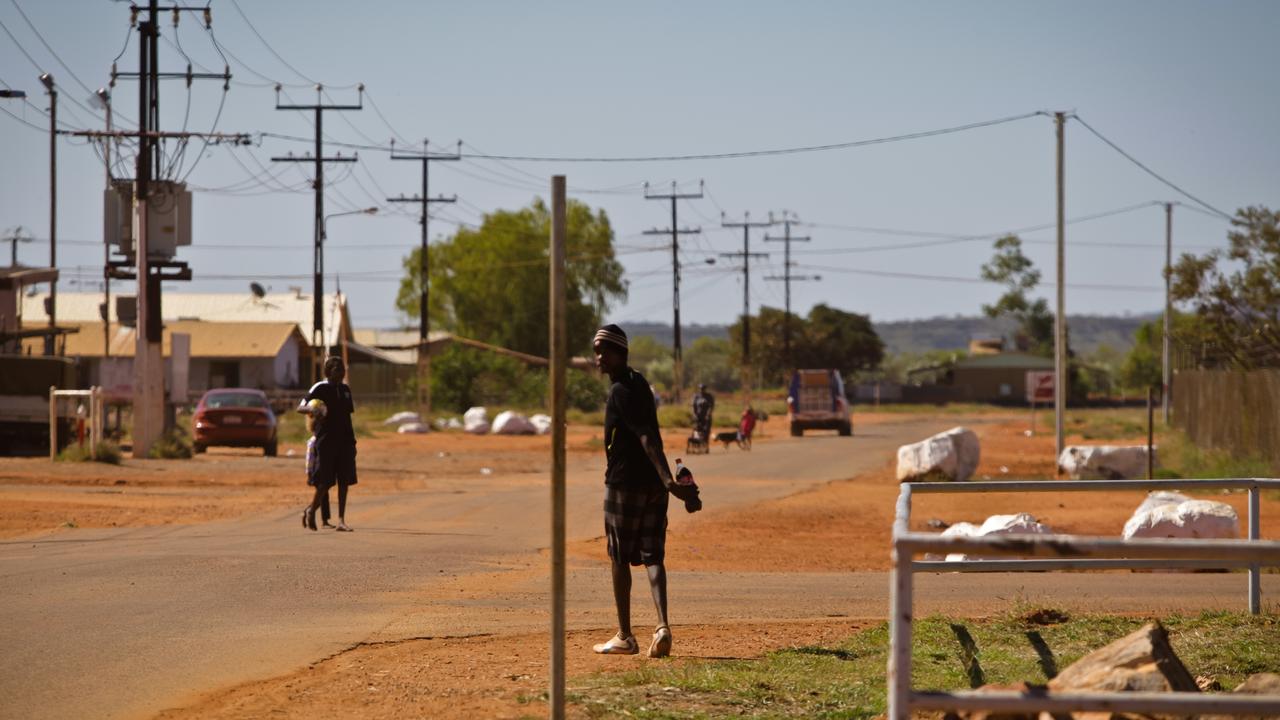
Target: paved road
[[126, 623]]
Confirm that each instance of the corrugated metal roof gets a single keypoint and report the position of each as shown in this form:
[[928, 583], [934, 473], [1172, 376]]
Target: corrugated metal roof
[[1007, 360], [294, 308], [208, 339]]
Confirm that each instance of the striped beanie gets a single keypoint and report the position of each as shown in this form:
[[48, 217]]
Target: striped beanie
[[611, 334]]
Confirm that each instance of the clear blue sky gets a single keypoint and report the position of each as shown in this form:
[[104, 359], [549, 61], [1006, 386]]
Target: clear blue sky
[[1186, 87]]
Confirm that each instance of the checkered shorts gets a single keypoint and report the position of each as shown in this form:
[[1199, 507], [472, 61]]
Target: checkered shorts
[[635, 523]]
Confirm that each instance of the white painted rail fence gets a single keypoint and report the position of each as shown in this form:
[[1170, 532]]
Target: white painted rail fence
[[1067, 552]]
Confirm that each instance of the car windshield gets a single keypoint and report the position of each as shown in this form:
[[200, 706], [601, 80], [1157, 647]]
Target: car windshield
[[235, 400]]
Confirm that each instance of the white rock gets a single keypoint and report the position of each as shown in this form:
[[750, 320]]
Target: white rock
[[454, 424], [414, 428], [1104, 462], [512, 423], [950, 455], [1186, 519], [476, 421], [541, 423], [401, 418]]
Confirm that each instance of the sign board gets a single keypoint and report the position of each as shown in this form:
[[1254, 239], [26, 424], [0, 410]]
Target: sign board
[[1039, 386]]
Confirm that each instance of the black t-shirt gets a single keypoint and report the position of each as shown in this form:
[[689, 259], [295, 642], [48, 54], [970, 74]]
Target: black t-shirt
[[335, 429], [630, 413]]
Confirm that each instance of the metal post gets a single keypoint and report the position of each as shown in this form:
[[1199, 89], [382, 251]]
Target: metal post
[[559, 355], [1166, 366], [1060, 318], [1255, 532], [1151, 433], [900, 636], [53, 422]]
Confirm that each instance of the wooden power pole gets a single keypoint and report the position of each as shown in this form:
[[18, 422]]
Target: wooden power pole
[[677, 354]]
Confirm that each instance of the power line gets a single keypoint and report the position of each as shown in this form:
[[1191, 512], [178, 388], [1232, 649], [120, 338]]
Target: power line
[[704, 156], [1146, 169]]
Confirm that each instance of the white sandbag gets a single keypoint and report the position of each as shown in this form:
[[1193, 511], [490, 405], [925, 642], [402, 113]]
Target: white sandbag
[[413, 428], [476, 421], [541, 423], [1104, 462], [1016, 524], [950, 455], [512, 423], [1156, 498], [1187, 519], [960, 529], [454, 424], [400, 418]]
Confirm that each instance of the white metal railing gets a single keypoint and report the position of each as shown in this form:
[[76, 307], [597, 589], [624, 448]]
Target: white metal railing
[[1067, 552]]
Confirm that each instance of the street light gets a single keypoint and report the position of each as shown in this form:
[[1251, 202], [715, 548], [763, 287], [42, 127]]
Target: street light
[[318, 302], [51, 88]]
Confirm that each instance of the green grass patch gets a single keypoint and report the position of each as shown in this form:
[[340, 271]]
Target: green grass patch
[[847, 680], [107, 452], [1107, 423], [1181, 458]]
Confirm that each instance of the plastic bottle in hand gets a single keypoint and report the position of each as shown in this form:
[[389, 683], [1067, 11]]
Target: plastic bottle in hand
[[684, 478]]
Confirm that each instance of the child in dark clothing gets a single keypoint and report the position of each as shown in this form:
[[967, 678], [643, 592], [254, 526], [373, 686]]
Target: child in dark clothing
[[335, 442]]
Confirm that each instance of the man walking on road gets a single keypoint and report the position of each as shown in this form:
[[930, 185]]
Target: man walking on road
[[637, 480]]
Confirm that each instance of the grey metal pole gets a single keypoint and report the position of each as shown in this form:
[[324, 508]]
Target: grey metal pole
[[559, 356], [1060, 324], [1255, 532], [1166, 364]]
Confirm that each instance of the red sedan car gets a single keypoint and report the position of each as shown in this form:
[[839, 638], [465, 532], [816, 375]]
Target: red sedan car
[[235, 417]]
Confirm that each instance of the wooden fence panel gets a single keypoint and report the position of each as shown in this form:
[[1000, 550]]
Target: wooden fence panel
[[1230, 410]]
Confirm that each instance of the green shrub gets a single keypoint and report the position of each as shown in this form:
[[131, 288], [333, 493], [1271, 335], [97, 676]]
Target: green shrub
[[108, 452], [173, 445]]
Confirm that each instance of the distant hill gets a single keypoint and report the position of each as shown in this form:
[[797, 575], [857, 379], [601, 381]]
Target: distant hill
[[944, 333]]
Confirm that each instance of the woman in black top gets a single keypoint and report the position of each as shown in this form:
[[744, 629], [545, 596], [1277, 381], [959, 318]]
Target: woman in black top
[[637, 480], [335, 442]]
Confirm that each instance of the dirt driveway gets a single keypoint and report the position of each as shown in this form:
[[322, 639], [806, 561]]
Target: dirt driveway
[[189, 585]]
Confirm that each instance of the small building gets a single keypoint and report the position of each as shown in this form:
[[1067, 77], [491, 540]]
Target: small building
[[999, 378], [263, 355]]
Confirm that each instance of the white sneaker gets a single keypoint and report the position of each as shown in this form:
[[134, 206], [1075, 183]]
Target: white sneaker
[[618, 645]]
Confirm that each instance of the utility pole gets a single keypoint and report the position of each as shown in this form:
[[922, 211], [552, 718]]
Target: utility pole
[[52, 89], [746, 256], [1166, 365], [425, 200], [1060, 319], [317, 311], [677, 353], [786, 277], [148, 402], [15, 238]]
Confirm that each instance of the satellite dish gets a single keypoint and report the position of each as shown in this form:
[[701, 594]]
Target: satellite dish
[[257, 290]]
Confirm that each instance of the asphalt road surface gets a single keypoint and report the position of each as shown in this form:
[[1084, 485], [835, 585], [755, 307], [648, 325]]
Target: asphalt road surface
[[125, 623]]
